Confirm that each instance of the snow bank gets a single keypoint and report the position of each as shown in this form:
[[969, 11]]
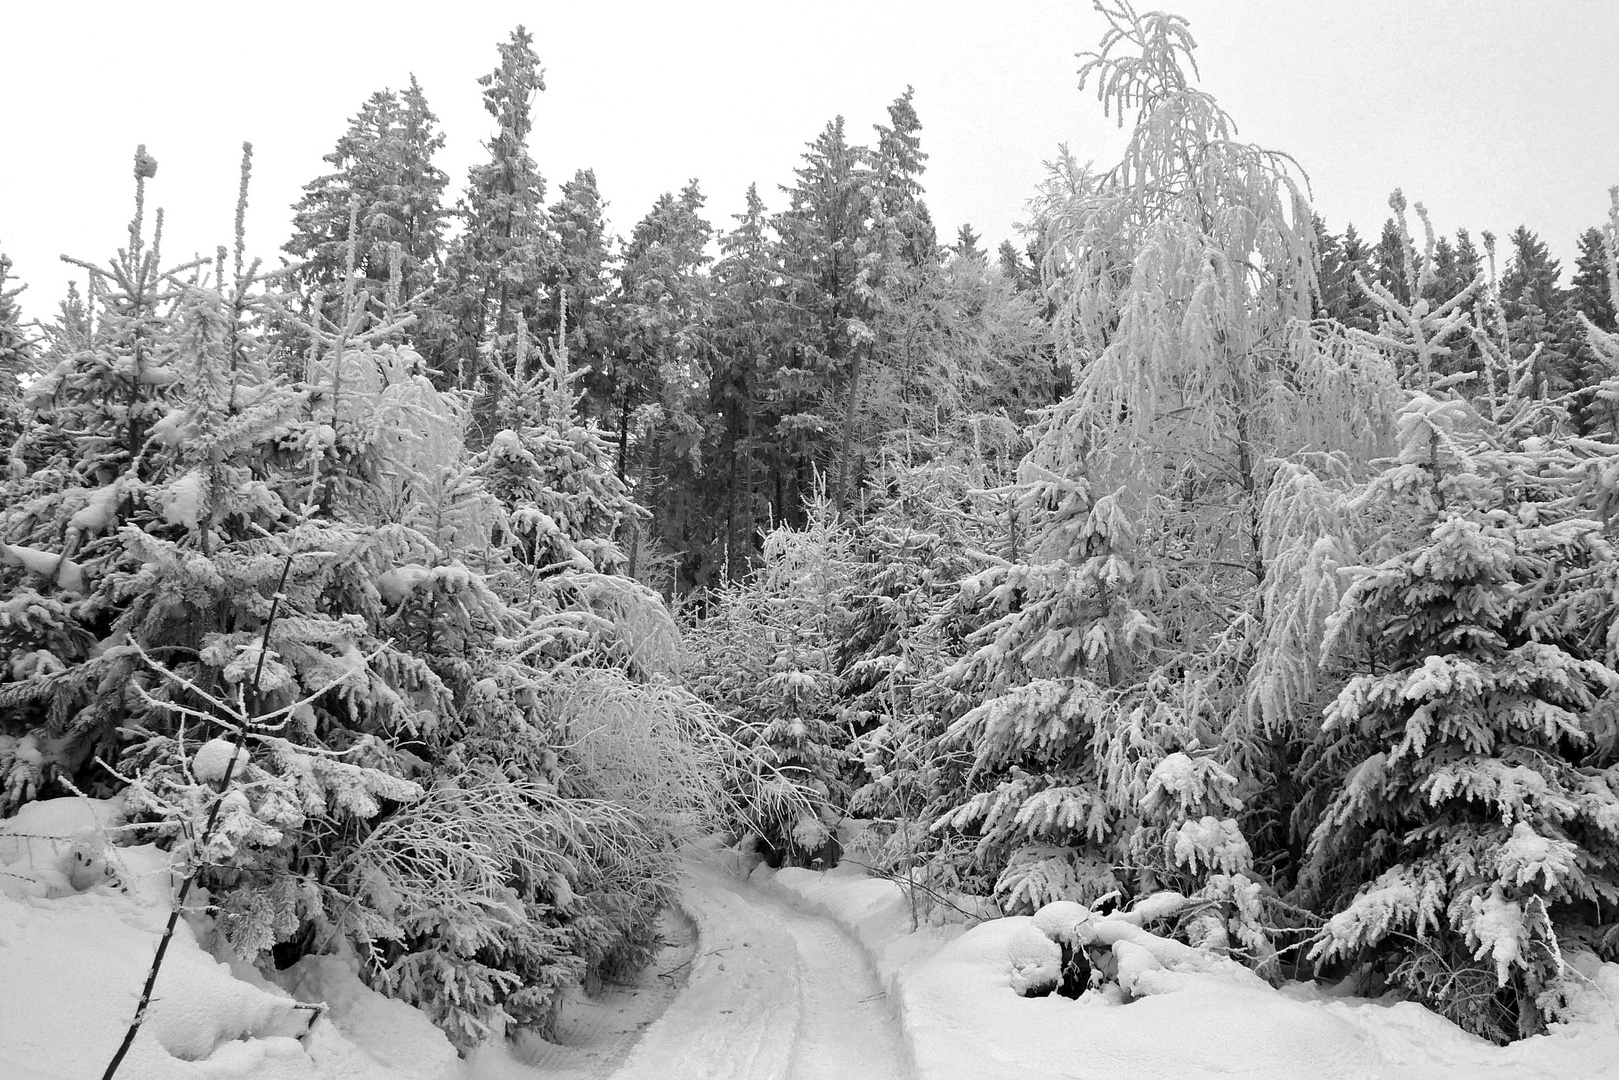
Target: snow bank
[[399, 1042], [75, 948], [1195, 1015]]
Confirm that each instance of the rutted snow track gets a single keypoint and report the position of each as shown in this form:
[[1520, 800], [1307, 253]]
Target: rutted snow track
[[774, 994], [847, 1029]]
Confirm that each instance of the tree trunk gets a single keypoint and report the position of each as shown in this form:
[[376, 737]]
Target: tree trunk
[[849, 410], [623, 434]]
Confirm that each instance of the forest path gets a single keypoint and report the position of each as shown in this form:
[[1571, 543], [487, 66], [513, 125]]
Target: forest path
[[774, 994]]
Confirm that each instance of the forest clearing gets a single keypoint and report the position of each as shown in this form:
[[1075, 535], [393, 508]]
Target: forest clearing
[[479, 646]]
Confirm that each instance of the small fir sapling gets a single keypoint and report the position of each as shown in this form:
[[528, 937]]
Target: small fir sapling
[[1420, 335]]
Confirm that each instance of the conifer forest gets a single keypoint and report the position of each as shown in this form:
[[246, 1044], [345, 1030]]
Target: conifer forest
[[423, 585]]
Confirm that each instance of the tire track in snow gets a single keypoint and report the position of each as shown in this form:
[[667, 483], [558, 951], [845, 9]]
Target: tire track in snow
[[847, 1028], [774, 994]]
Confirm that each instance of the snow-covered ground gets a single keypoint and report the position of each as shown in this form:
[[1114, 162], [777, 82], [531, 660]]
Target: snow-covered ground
[[787, 974], [777, 993], [963, 1021]]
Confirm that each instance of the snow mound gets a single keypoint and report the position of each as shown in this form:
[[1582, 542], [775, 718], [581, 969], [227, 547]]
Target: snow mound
[[397, 584], [1036, 961], [213, 758], [965, 1021], [396, 1037]]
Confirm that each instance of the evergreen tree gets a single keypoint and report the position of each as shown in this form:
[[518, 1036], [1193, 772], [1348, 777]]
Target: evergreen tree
[[967, 245], [1530, 282], [819, 234], [897, 273], [17, 356], [1393, 261], [386, 183], [1536, 327], [1589, 292], [1341, 259], [1469, 784], [663, 311], [581, 286], [1021, 271], [767, 654], [749, 335], [495, 271]]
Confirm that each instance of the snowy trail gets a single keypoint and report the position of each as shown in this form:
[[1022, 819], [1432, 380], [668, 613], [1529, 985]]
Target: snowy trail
[[847, 1027], [774, 994]]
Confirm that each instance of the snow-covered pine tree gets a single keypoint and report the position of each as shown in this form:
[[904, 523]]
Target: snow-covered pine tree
[[1469, 759]]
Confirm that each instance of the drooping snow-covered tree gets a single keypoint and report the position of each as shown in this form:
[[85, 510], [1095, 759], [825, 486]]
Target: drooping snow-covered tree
[[1129, 628]]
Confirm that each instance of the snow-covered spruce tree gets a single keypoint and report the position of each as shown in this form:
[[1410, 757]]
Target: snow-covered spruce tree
[[494, 270], [551, 472], [934, 522], [1473, 773], [86, 423], [151, 541], [765, 655], [385, 180], [1035, 702]]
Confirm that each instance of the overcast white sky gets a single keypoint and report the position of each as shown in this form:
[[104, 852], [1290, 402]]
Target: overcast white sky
[[1494, 112]]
